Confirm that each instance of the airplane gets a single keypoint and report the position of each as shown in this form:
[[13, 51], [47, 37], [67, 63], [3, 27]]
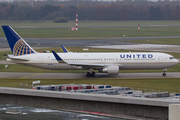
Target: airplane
[[64, 49], [107, 62]]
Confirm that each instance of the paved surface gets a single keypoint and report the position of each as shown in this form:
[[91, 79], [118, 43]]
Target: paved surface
[[80, 42], [143, 47], [18, 75]]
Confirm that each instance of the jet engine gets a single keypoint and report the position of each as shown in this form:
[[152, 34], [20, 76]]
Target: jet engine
[[111, 70]]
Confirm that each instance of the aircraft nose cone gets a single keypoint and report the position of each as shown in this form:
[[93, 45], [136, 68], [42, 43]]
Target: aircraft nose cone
[[177, 61]]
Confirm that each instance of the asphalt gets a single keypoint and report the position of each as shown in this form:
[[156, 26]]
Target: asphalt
[[80, 42], [21, 75]]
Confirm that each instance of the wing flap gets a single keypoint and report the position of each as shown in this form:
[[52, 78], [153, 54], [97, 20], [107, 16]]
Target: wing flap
[[93, 65], [87, 64]]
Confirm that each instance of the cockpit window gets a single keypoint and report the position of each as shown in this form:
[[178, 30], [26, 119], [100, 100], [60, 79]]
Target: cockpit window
[[171, 57]]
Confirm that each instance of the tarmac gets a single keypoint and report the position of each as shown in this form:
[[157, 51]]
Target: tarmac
[[21, 75], [110, 43], [143, 47]]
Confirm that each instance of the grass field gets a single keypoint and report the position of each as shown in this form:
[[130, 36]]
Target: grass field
[[94, 31], [89, 23], [165, 84]]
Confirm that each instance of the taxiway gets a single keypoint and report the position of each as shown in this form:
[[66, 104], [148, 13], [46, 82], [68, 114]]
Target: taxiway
[[21, 75]]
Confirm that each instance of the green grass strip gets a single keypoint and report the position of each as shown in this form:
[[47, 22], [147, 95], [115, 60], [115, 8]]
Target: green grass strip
[[164, 84]]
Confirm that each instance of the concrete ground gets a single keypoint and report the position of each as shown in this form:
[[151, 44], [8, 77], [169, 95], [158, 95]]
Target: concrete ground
[[20, 75], [143, 47]]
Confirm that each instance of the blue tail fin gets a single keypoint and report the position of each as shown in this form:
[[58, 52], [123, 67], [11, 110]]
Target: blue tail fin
[[17, 44], [64, 49]]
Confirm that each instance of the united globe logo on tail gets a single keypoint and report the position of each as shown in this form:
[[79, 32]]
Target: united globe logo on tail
[[17, 44], [21, 48]]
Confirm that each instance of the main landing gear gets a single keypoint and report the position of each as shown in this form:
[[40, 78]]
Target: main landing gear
[[164, 73], [90, 74]]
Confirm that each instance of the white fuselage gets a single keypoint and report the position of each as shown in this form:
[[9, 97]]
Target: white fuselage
[[125, 60]]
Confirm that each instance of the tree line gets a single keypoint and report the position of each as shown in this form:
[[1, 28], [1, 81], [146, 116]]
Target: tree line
[[89, 12]]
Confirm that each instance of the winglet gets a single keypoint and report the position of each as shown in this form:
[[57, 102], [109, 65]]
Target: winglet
[[64, 49], [58, 58]]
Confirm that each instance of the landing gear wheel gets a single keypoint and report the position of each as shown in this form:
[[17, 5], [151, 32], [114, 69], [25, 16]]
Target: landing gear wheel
[[93, 74], [164, 74], [88, 74]]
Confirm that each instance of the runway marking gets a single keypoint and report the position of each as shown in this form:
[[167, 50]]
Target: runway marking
[[30, 75], [38, 44]]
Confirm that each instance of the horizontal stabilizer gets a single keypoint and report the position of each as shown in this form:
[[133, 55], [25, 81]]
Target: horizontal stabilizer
[[19, 59], [12, 57]]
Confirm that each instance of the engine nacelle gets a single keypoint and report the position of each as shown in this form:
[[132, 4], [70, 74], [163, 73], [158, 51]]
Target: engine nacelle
[[111, 70]]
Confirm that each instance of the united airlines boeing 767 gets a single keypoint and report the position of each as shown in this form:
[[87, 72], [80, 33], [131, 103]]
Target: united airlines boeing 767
[[109, 62]]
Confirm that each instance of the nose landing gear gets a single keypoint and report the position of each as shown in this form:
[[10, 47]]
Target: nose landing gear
[[164, 73]]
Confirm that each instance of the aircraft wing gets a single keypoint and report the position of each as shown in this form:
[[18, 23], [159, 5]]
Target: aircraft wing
[[60, 60], [95, 66], [87, 65]]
